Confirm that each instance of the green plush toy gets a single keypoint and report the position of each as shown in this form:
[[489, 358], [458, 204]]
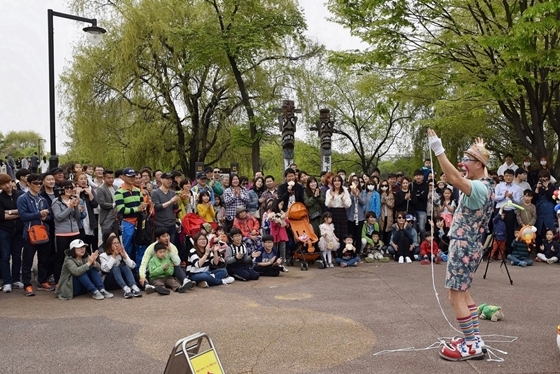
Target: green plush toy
[[491, 312]]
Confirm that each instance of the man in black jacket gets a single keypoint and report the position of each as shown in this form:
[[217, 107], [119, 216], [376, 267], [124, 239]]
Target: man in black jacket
[[420, 190], [290, 191], [11, 229]]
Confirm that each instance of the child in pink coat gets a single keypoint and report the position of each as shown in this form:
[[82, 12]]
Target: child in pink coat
[[278, 223]]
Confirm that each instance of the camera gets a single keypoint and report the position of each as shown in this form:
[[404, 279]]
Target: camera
[[58, 191]]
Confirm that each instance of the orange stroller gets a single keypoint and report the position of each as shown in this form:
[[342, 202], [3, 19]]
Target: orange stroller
[[304, 237]]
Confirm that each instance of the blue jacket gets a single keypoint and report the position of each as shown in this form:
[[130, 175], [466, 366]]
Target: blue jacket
[[499, 228], [374, 203], [361, 201], [29, 208], [253, 204]]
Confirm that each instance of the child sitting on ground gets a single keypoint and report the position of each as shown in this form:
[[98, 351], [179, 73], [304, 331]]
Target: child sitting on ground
[[346, 255], [328, 241], [427, 253], [268, 263], [549, 249], [370, 225], [519, 252], [238, 259], [161, 272], [376, 249]]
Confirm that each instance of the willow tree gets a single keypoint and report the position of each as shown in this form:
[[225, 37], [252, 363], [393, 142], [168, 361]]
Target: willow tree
[[505, 51], [371, 116], [193, 65]]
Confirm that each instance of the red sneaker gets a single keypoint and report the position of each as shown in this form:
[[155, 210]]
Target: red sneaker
[[438, 260], [425, 262], [537, 259], [456, 340], [461, 352]]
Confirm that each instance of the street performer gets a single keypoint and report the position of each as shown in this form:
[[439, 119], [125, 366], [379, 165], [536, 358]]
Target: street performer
[[466, 235]]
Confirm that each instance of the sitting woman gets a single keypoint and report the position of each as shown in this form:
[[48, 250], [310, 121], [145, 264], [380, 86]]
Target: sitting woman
[[239, 261], [80, 274], [402, 239], [201, 256], [204, 208], [118, 267]]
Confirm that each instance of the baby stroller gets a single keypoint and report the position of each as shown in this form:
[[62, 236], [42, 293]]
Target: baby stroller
[[304, 237]]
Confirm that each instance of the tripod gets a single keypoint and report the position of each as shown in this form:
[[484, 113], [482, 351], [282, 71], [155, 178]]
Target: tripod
[[487, 249]]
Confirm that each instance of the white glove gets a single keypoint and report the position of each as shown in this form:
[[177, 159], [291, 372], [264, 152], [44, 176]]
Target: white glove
[[435, 145]]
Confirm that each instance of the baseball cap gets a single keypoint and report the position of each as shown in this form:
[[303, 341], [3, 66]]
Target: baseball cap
[[208, 169], [167, 176], [201, 175], [77, 243], [129, 172], [409, 217], [56, 170]]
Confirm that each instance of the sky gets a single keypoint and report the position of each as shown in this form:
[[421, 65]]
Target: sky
[[24, 95]]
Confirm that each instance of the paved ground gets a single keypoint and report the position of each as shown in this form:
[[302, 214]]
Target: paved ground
[[319, 321]]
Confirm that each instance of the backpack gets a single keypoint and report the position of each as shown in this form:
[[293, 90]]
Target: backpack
[[145, 229]]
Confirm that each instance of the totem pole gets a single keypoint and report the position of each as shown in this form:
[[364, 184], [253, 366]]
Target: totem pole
[[288, 122], [325, 127]]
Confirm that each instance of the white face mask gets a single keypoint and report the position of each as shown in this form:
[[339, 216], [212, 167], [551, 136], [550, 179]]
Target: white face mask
[[383, 188], [370, 187], [543, 163], [526, 164]]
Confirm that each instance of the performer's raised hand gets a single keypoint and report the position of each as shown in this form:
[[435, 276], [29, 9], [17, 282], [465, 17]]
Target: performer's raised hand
[[435, 142]]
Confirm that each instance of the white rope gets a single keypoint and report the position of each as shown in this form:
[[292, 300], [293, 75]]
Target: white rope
[[492, 356]]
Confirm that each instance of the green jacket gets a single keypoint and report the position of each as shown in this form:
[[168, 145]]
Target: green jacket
[[314, 204], [367, 230], [156, 270], [70, 269]]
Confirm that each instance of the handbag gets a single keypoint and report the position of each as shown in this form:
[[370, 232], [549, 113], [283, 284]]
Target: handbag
[[314, 215], [38, 234]]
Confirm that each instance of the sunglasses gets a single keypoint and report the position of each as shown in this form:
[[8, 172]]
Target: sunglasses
[[216, 172], [466, 159], [37, 183], [400, 217]]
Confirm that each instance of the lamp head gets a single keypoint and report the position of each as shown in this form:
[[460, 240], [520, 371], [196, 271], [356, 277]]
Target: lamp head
[[94, 34]]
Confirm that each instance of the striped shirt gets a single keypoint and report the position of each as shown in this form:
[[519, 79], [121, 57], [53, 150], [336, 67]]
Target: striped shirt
[[127, 200], [193, 265]]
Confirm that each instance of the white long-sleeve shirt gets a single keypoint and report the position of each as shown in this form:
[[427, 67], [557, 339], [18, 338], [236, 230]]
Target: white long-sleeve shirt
[[108, 262], [339, 200]]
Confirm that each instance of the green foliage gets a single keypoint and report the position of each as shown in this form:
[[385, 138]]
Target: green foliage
[[20, 143], [492, 67]]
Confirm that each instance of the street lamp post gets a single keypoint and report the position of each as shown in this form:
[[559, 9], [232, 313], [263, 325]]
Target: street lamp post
[[94, 33]]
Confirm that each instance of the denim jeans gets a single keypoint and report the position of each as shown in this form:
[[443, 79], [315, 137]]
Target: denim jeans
[[516, 260], [43, 252], [10, 247], [90, 281], [421, 218], [140, 250], [215, 280], [128, 232], [121, 275], [350, 262]]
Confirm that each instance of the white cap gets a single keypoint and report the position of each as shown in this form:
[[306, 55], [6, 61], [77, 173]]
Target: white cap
[[77, 243]]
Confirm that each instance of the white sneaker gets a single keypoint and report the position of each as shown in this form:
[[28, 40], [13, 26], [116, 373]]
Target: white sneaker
[[408, 260], [331, 265], [18, 285], [106, 294], [401, 260], [228, 280], [7, 288], [284, 269], [416, 257]]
